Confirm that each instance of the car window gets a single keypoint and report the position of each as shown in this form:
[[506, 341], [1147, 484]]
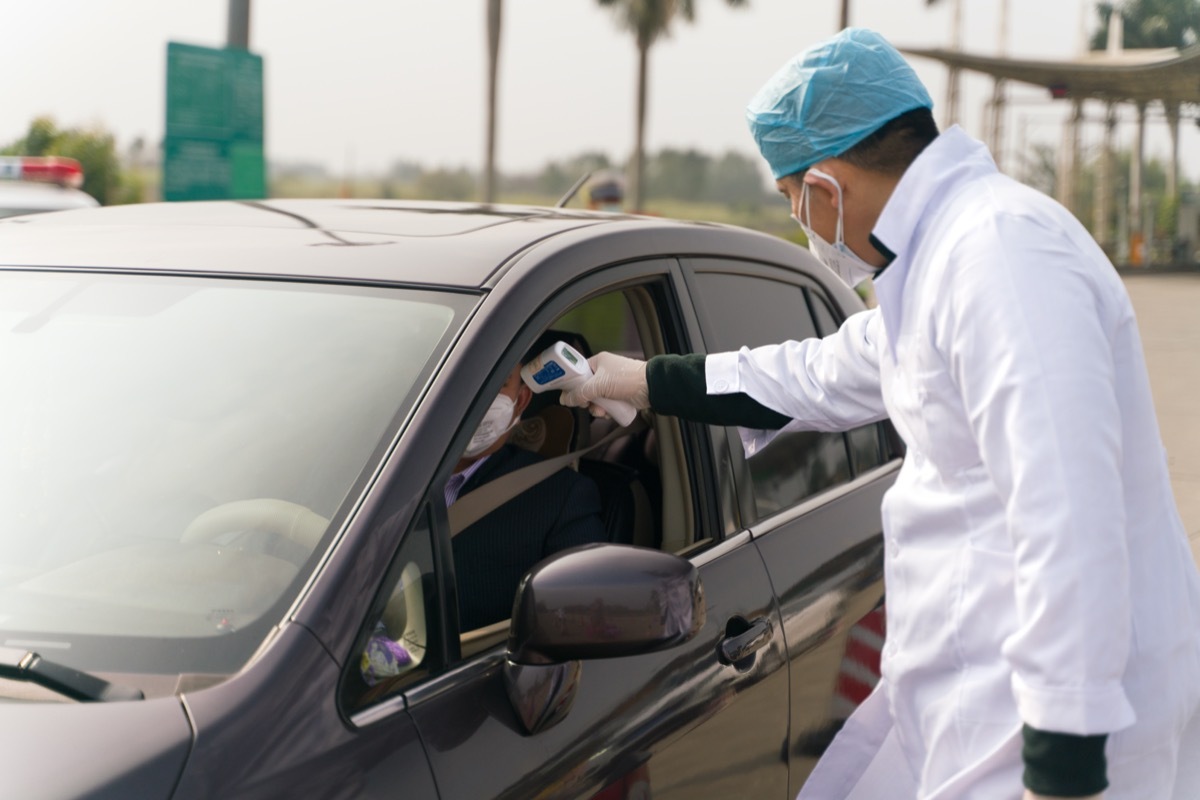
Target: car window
[[605, 323], [868, 444], [742, 310], [642, 495], [398, 644], [633, 487], [177, 448]]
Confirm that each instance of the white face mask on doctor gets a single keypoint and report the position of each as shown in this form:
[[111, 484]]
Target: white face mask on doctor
[[837, 256], [495, 423]]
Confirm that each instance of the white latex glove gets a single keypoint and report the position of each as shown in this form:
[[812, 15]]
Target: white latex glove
[[1031, 796], [614, 377]]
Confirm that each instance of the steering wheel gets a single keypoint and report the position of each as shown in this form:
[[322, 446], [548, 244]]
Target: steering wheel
[[293, 522]]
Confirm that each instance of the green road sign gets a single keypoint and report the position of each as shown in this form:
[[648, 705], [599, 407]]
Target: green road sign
[[213, 149]]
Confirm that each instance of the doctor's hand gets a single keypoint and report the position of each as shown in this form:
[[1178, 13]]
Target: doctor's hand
[[614, 377], [1031, 796]]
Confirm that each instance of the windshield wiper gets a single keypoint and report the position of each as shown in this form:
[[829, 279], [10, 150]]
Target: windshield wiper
[[27, 666]]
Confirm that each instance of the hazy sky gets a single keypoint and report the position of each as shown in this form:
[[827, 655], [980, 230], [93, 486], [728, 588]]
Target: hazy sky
[[360, 84]]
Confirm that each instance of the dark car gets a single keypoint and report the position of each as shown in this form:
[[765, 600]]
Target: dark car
[[226, 434]]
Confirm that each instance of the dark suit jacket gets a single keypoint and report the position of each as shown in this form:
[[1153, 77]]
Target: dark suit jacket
[[492, 555]]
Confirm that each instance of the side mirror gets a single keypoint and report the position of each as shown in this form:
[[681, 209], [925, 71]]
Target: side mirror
[[595, 601]]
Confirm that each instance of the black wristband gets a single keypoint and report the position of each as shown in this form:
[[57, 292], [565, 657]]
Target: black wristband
[[678, 388], [1064, 764]]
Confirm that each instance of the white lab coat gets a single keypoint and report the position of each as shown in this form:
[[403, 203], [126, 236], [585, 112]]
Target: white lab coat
[[1036, 568]]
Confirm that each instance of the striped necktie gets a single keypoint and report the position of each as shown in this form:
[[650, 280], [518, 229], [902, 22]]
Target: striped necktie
[[454, 486]]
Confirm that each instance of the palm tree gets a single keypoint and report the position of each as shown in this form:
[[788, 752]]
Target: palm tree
[[648, 20], [1151, 23], [493, 39]]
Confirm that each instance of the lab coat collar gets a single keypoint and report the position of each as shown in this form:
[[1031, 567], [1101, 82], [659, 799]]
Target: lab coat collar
[[952, 159]]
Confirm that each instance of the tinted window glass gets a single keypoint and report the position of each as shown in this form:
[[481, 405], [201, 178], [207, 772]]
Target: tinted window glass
[[399, 639], [866, 446], [741, 310], [826, 322], [795, 466]]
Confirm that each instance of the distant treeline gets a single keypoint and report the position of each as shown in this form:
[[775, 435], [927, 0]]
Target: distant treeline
[[731, 179]]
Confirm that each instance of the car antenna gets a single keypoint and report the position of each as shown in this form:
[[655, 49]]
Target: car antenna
[[566, 198]]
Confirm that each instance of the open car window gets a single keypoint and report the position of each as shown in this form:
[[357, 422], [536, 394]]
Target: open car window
[[641, 477]]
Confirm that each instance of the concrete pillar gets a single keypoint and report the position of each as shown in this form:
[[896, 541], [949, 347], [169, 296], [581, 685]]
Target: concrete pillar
[[999, 95], [1172, 198], [1137, 243], [1068, 162], [996, 121], [1172, 110], [1102, 211], [997, 108], [1116, 33], [952, 80]]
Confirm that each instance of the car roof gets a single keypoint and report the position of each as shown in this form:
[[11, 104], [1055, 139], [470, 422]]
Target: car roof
[[443, 244], [412, 243]]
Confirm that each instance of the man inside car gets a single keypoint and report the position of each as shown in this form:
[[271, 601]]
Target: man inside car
[[492, 554]]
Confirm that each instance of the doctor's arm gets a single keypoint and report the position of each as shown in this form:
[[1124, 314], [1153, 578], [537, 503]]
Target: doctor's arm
[[828, 384], [669, 384], [1026, 344]]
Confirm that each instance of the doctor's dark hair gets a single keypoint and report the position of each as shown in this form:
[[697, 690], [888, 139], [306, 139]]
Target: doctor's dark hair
[[895, 144]]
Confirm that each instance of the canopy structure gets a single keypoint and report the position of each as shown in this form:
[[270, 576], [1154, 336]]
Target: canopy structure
[[1139, 77], [1127, 76]]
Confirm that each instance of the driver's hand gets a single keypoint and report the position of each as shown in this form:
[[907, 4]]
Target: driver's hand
[[613, 377]]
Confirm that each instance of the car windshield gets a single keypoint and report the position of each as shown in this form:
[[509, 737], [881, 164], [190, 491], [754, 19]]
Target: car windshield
[[173, 450]]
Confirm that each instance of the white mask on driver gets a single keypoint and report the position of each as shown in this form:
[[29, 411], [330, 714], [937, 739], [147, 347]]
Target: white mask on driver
[[495, 423], [837, 256]]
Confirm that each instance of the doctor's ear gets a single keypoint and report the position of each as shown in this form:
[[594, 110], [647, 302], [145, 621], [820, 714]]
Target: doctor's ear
[[820, 187]]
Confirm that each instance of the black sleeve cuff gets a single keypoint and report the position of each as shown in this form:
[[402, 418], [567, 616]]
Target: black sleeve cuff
[[1063, 764], [677, 387]]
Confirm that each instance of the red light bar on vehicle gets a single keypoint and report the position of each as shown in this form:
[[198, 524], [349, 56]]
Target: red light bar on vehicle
[[47, 169]]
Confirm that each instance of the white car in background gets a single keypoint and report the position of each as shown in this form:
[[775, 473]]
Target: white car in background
[[30, 185]]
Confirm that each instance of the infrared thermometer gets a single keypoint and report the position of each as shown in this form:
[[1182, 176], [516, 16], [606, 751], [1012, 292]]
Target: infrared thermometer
[[561, 366]]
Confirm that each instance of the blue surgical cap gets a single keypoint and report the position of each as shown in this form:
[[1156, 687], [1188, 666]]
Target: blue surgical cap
[[831, 97]]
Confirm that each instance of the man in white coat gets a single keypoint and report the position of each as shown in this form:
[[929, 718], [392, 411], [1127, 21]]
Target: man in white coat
[[1043, 628]]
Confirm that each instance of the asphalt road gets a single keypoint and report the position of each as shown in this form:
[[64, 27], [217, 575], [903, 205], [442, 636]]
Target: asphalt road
[[1168, 311]]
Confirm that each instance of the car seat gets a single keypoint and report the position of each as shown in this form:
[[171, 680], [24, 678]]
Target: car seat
[[624, 502]]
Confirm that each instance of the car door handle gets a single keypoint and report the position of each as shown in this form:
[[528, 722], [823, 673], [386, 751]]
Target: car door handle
[[738, 647]]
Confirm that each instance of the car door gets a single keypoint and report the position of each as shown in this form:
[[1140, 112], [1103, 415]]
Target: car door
[[812, 502], [677, 723]]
